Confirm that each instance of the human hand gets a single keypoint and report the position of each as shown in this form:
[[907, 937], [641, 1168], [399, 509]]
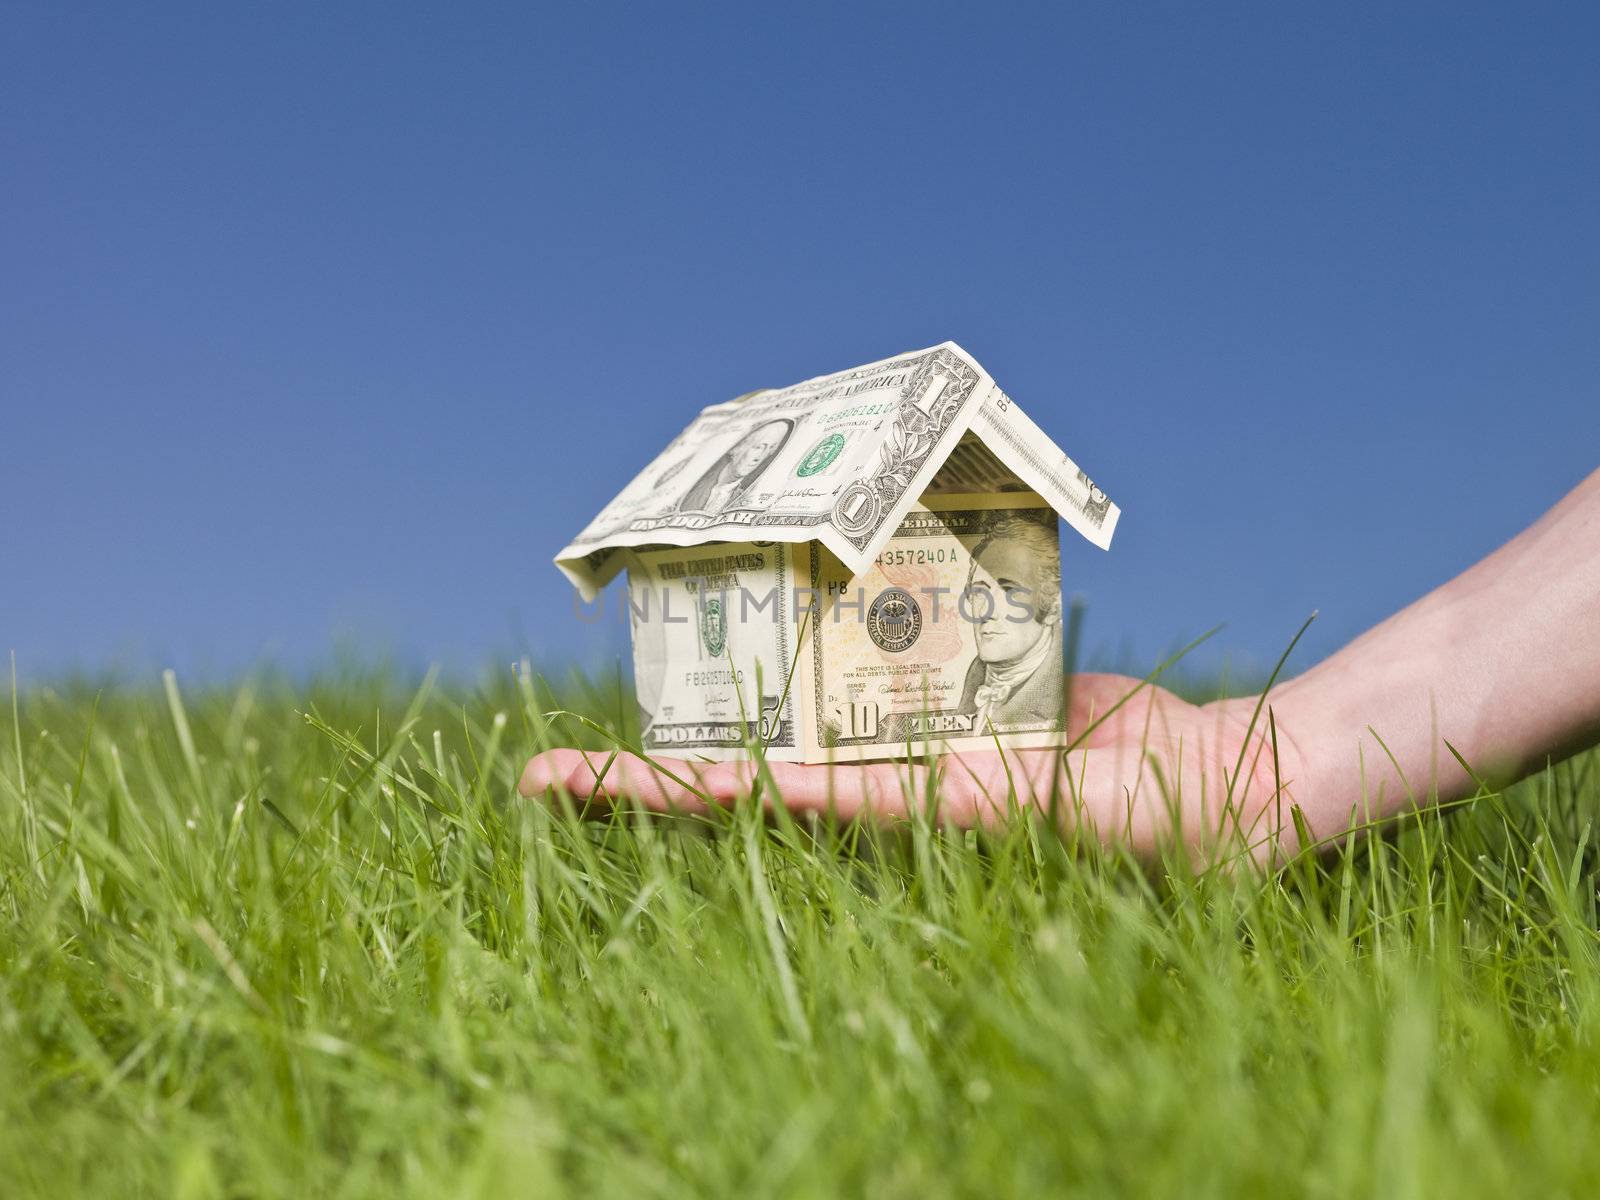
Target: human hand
[[1143, 765], [1446, 697]]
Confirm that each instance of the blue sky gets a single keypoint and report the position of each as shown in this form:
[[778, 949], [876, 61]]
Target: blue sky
[[328, 324]]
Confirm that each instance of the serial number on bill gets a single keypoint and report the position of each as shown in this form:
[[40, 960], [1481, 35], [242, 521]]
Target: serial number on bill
[[918, 557]]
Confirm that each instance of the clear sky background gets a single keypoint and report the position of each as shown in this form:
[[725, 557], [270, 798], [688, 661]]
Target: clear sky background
[[329, 324]]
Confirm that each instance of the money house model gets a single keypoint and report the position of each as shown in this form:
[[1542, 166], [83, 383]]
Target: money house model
[[865, 565]]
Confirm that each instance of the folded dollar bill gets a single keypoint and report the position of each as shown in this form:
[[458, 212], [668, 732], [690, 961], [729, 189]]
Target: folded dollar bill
[[863, 565]]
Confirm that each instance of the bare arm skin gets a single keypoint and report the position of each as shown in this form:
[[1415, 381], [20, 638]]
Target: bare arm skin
[[1502, 663]]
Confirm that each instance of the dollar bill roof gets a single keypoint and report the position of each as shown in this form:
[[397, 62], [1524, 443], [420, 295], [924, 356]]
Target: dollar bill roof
[[838, 459]]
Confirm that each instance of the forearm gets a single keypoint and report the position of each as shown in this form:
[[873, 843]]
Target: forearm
[[1502, 662]]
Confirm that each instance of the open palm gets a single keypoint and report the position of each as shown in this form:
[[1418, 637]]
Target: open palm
[[1431, 706], [1154, 766]]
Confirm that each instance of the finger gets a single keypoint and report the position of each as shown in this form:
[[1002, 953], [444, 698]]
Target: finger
[[990, 788], [1107, 710], [885, 792], [1094, 791], [843, 791], [1090, 697], [663, 785]]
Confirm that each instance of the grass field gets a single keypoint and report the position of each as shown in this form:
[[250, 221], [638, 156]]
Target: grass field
[[306, 941]]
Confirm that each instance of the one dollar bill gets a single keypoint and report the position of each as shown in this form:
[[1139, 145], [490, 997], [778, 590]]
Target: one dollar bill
[[838, 460]]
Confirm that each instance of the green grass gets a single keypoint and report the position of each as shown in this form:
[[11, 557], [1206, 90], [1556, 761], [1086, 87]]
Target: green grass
[[248, 952]]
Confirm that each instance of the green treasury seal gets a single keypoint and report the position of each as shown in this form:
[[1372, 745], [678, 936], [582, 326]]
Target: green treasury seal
[[820, 455]]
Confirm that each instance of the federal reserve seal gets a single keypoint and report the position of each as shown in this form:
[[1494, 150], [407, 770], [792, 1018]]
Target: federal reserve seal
[[714, 628], [894, 620], [821, 455]]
